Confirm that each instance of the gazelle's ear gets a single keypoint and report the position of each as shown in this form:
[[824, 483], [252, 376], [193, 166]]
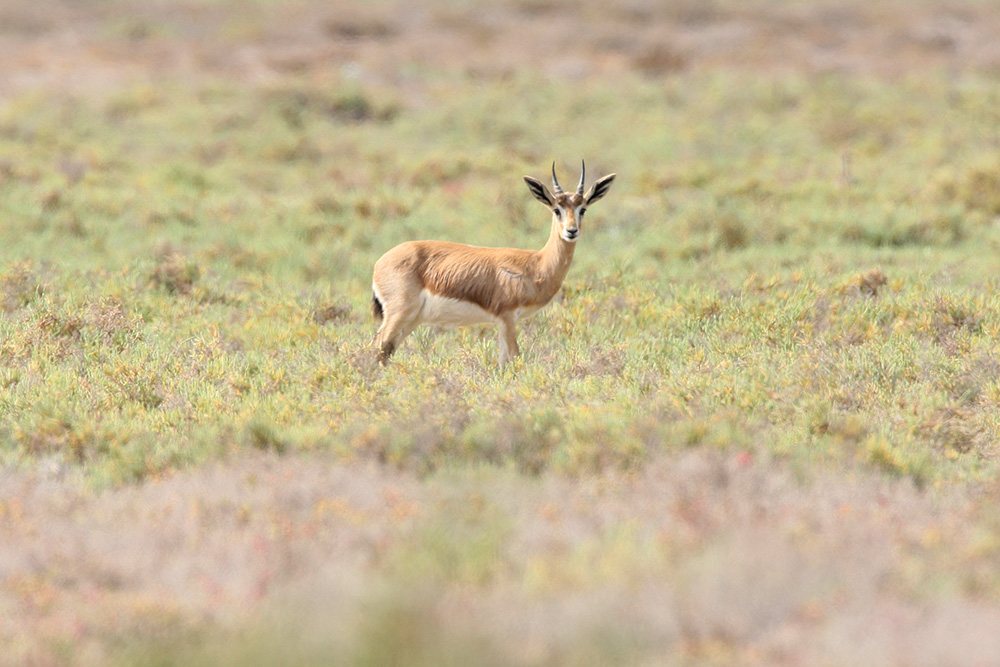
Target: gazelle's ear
[[599, 189], [540, 192]]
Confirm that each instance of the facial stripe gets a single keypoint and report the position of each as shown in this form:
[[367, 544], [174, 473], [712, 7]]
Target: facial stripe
[[568, 216], [570, 223]]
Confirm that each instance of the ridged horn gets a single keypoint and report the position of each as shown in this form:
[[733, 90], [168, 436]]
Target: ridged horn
[[583, 173], [555, 182]]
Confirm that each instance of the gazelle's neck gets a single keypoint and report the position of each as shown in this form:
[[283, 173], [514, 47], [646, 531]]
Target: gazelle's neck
[[555, 258]]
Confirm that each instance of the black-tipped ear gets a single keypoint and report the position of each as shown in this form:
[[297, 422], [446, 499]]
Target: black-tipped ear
[[599, 189], [540, 192]]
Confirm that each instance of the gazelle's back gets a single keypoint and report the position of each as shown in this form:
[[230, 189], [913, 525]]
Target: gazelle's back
[[454, 270]]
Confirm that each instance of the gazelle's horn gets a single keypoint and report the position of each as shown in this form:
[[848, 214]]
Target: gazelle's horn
[[555, 182], [583, 173]]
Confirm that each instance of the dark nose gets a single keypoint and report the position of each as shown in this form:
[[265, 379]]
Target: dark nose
[[572, 233]]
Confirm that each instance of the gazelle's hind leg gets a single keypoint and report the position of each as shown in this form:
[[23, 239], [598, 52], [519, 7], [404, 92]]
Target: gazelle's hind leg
[[389, 337], [400, 316]]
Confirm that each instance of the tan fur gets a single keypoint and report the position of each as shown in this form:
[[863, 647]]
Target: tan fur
[[506, 283]]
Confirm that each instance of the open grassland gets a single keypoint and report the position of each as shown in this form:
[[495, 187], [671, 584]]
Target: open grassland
[[759, 424]]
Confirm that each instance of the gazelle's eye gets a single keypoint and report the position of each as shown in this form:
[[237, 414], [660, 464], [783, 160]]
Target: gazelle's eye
[[558, 212], [582, 211]]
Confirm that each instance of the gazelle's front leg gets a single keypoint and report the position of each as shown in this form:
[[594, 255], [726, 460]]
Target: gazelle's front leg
[[507, 325]]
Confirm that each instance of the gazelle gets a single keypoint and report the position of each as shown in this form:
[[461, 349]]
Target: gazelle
[[452, 284]]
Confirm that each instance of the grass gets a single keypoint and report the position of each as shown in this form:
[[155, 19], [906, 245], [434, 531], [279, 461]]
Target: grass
[[793, 271], [179, 290]]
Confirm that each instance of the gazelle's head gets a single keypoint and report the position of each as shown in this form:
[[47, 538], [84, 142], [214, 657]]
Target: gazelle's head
[[568, 207]]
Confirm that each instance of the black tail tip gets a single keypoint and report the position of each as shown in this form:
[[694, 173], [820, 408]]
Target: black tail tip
[[377, 312]]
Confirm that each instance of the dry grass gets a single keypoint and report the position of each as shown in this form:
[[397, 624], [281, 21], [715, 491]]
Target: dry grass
[[62, 46]]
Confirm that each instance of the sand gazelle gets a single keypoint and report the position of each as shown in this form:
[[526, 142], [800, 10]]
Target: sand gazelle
[[452, 284]]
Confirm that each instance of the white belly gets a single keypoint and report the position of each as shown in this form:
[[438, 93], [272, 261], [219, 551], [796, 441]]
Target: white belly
[[446, 312]]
